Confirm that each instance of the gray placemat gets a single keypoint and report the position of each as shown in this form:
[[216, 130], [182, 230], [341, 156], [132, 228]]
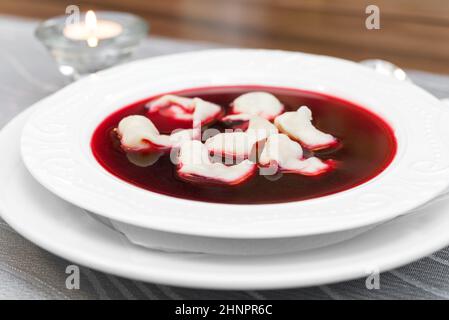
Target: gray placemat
[[27, 74]]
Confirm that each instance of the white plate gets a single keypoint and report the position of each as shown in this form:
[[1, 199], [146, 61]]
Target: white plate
[[56, 149], [67, 231]]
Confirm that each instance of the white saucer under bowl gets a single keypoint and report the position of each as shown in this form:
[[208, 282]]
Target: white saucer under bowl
[[56, 144], [67, 231]]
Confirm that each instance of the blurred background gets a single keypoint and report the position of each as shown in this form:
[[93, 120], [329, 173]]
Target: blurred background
[[412, 34]]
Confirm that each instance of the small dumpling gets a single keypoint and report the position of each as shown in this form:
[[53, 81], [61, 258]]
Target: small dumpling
[[239, 144], [259, 103], [195, 111], [138, 134], [298, 126], [194, 165], [281, 151]]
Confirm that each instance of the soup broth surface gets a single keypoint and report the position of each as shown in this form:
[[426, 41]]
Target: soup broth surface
[[367, 147]]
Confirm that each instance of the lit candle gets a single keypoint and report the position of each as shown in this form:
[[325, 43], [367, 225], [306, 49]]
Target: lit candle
[[82, 47], [92, 30]]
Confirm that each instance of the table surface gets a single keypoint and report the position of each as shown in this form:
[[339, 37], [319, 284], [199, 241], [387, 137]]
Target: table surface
[[27, 74]]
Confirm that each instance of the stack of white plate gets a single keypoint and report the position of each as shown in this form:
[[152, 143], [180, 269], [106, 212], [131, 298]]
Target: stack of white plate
[[56, 194]]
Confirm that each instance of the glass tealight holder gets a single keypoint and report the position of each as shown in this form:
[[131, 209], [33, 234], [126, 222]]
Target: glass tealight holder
[[77, 56]]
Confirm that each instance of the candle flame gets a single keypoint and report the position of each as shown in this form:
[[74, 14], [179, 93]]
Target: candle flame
[[91, 20], [91, 24]]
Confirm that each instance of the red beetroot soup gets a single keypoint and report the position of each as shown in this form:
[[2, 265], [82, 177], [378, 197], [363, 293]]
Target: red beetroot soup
[[367, 147]]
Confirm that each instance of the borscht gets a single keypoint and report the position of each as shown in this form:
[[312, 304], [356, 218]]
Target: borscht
[[244, 144]]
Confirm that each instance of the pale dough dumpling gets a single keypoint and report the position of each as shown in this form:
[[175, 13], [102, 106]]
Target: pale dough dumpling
[[197, 110], [194, 165], [298, 125], [138, 134], [240, 144], [259, 103], [287, 154]]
